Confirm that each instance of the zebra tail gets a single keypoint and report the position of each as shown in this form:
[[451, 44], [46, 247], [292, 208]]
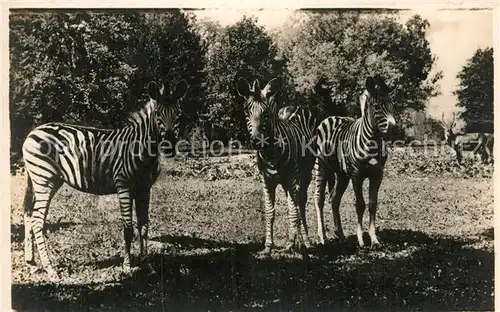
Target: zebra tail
[[28, 196]]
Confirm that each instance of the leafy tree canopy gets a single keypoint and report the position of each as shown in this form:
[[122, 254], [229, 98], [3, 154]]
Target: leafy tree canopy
[[240, 50], [341, 49], [93, 68], [475, 92]]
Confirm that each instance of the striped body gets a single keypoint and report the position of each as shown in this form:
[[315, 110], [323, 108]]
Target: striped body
[[88, 159], [281, 139], [96, 161], [353, 149], [350, 145]]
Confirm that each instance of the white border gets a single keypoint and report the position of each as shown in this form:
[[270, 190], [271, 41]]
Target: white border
[[5, 258]]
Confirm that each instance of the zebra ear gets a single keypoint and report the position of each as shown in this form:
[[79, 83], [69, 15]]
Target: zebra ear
[[271, 88], [382, 85], [256, 85], [180, 89], [243, 87], [153, 90], [370, 85]]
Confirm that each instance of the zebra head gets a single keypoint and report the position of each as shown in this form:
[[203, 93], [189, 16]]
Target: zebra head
[[260, 107], [168, 109], [379, 101], [449, 135]]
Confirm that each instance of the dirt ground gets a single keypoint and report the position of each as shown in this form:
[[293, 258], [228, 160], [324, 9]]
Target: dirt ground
[[207, 228]]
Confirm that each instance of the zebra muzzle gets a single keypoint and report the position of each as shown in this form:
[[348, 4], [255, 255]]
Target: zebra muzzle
[[169, 143]]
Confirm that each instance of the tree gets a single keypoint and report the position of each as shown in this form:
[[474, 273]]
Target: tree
[[67, 66], [475, 92], [169, 49], [93, 68], [341, 49], [424, 127], [240, 50]]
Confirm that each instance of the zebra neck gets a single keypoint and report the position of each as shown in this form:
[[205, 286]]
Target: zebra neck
[[369, 137], [145, 125], [269, 126], [281, 144]]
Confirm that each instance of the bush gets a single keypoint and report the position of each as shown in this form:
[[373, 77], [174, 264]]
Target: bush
[[438, 162]]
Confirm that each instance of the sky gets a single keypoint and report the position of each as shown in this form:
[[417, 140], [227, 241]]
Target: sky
[[454, 36]]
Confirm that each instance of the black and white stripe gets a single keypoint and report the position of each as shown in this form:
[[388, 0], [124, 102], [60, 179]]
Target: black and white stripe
[[98, 161], [353, 149], [280, 137]]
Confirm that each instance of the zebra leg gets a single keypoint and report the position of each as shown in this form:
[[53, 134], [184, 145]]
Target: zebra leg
[[319, 173], [128, 230], [43, 195], [142, 197], [375, 182], [485, 155], [28, 240], [269, 213], [357, 185], [341, 182], [304, 185], [28, 233], [293, 216]]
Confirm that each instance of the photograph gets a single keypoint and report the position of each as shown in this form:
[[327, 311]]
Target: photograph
[[251, 159]]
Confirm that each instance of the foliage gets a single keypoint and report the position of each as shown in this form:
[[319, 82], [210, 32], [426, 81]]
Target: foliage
[[92, 68], [436, 161], [64, 67], [433, 129], [169, 49], [424, 127], [475, 92], [343, 48], [240, 50]]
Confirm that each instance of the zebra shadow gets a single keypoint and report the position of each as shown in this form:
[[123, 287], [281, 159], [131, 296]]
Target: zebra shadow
[[392, 241], [412, 270], [171, 244]]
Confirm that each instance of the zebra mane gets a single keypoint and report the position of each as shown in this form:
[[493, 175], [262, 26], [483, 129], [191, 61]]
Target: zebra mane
[[362, 101], [136, 116], [272, 101]]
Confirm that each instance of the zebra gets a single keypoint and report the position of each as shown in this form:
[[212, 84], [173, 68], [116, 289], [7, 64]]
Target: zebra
[[353, 149], [100, 162], [477, 142], [280, 137]]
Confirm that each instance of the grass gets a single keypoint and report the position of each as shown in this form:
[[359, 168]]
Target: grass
[[207, 228]]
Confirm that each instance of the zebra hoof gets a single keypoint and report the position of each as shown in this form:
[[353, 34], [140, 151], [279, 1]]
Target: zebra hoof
[[143, 259], [304, 253], [147, 267], [361, 245], [322, 239], [266, 252], [307, 244], [338, 238], [376, 245], [33, 268], [53, 275], [289, 246], [29, 258], [126, 269], [30, 262]]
